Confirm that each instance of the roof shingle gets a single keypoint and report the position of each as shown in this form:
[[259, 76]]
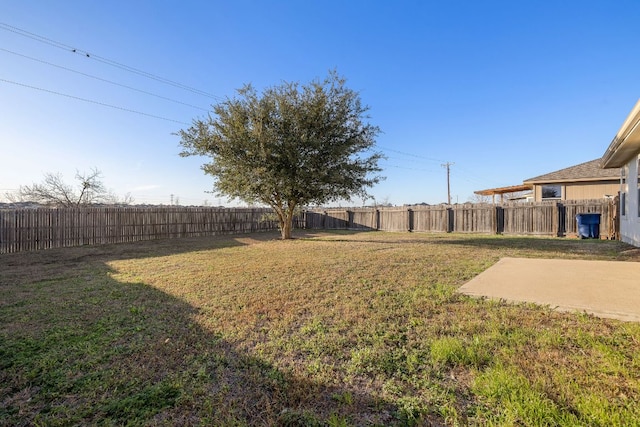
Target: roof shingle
[[588, 171]]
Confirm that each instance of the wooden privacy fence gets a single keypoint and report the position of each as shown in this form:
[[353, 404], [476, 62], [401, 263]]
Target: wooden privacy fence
[[42, 228], [34, 229], [543, 218]]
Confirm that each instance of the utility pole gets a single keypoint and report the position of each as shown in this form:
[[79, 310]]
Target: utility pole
[[447, 165]]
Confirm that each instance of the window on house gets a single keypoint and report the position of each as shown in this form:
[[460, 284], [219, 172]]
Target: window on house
[[638, 181], [551, 192], [623, 191]]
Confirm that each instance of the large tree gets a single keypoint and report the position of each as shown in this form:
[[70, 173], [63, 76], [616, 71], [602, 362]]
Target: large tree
[[292, 146]]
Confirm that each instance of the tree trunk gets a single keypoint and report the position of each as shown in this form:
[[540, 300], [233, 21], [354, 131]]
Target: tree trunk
[[286, 228], [285, 218], [286, 221]]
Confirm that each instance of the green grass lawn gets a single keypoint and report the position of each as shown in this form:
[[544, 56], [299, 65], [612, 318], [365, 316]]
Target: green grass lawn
[[332, 329]]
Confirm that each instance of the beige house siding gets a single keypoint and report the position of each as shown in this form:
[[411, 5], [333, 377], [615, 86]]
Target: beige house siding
[[581, 190], [537, 193], [592, 190]]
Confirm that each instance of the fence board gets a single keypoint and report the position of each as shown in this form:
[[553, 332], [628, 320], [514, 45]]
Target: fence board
[[531, 218], [430, 218], [394, 219], [557, 218], [364, 219], [43, 228], [474, 218]]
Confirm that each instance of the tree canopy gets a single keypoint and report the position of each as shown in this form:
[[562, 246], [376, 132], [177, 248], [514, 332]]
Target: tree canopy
[[292, 146]]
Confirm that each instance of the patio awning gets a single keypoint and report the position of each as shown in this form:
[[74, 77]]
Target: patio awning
[[504, 190]]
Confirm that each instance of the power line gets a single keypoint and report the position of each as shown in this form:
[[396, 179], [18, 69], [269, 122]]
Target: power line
[[93, 101], [479, 179], [404, 159], [408, 154], [103, 60], [101, 79], [410, 169]]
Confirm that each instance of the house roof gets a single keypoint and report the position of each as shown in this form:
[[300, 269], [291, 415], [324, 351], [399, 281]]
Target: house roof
[[588, 171], [626, 143]]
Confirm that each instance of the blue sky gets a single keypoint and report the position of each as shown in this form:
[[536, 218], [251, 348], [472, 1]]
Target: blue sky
[[504, 90]]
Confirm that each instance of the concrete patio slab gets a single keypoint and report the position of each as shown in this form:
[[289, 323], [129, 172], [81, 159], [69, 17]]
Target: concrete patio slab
[[608, 289]]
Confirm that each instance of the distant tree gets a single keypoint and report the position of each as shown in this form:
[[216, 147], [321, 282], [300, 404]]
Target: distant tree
[[518, 195], [478, 198], [384, 202], [54, 191], [499, 198], [290, 147]]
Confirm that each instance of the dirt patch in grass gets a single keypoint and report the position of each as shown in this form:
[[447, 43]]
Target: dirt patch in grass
[[328, 329]]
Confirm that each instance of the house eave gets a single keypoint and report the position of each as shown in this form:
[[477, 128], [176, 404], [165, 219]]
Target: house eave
[[612, 179], [626, 143]]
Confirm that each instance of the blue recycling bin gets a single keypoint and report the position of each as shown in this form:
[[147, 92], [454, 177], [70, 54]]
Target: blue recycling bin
[[588, 225]]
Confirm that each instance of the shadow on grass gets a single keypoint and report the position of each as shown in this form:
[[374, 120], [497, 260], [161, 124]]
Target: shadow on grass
[[78, 347], [611, 249]]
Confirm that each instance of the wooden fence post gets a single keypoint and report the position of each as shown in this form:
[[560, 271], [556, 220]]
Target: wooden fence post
[[499, 220], [450, 220], [562, 219]]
